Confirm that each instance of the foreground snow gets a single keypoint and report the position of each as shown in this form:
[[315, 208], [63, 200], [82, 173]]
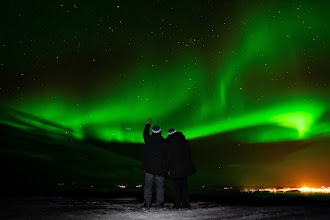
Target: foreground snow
[[121, 209], [204, 210]]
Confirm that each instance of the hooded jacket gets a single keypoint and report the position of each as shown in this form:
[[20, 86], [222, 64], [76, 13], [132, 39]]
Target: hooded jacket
[[178, 160], [154, 154]]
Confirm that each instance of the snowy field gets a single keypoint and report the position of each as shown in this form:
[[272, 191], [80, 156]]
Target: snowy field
[[130, 208]]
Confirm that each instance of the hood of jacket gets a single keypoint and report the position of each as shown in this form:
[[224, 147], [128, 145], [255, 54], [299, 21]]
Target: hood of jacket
[[177, 137]]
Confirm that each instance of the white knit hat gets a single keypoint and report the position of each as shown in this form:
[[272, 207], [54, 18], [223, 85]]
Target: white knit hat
[[156, 129], [171, 131]]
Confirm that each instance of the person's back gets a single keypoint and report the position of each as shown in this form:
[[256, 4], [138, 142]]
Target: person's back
[[179, 156], [153, 161]]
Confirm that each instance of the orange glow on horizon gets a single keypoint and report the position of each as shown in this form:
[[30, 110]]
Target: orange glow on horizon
[[304, 189]]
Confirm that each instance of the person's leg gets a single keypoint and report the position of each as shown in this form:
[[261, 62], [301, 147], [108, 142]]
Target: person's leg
[[180, 187], [149, 179], [177, 193], [159, 190], [184, 193]]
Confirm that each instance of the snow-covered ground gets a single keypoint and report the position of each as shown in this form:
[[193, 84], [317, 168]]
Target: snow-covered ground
[[129, 208]]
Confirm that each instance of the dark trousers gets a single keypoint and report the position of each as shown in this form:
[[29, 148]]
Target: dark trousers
[[180, 190], [149, 179]]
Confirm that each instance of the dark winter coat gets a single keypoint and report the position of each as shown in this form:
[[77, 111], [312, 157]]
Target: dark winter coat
[[154, 154], [178, 160]]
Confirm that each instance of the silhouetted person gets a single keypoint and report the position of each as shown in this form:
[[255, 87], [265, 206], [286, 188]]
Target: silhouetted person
[[179, 166], [153, 164]]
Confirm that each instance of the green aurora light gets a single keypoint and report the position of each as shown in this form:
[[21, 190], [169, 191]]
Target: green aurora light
[[186, 97]]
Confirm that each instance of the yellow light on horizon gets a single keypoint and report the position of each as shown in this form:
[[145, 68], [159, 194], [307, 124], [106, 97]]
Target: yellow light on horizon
[[304, 189], [122, 186]]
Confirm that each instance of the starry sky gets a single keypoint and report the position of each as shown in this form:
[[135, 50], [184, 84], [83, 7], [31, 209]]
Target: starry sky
[[247, 82]]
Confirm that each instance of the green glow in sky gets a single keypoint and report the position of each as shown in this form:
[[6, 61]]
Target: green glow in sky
[[187, 96]]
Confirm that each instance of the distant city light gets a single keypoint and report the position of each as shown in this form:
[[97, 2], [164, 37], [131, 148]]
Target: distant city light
[[139, 186], [304, 189]]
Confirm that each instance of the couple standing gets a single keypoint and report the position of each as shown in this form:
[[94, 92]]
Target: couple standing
[[171, 157]]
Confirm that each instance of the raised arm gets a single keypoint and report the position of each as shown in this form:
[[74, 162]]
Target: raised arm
[[146, 132]]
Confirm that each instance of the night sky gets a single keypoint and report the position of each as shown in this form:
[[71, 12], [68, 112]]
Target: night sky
[[247, 82]]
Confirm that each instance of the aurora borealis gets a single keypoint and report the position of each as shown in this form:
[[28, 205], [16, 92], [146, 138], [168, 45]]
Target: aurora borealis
[[255, 71]]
